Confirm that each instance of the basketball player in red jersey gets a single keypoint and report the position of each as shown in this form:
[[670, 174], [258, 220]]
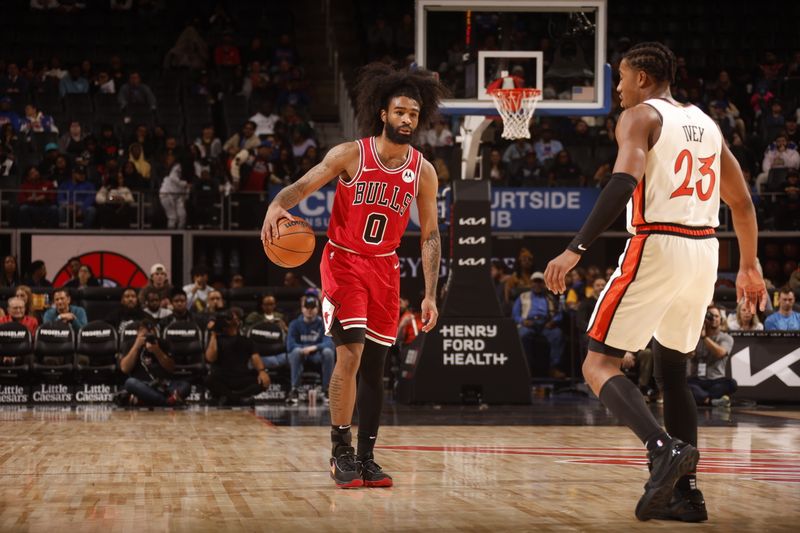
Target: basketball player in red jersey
[[379, 178], [674, 166]]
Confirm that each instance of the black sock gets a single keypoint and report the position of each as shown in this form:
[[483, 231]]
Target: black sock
[[340, 438], [369, 398], [366, 443], [680, 411], [624, 400]]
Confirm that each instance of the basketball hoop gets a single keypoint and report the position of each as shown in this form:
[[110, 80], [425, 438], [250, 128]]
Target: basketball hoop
[[516, 106]]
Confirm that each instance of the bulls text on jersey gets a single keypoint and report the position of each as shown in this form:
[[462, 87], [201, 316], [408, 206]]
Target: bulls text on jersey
[[374, 193]]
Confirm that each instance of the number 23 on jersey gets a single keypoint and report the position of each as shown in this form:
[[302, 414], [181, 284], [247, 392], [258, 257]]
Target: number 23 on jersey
[[706, 171]]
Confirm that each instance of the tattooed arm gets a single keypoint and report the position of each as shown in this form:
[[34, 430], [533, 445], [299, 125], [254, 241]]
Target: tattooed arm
[[430, 242], [342, 158]]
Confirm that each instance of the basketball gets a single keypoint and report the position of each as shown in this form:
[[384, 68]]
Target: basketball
[[294, 245]]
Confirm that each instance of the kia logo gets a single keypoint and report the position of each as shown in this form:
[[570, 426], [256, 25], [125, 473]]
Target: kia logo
[[740, 369], [471, 261], [472, 221]]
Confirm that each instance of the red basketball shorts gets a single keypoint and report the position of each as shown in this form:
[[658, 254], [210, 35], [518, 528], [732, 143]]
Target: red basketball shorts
[[362, 292]]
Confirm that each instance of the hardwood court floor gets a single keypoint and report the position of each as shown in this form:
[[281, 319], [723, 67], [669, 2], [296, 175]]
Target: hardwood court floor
[[65, 470]]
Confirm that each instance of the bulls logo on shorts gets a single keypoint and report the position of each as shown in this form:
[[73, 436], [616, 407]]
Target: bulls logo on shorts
[[408, 175], [328, 312]]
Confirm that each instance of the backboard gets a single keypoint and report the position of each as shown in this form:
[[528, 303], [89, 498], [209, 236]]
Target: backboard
[[558, 46]]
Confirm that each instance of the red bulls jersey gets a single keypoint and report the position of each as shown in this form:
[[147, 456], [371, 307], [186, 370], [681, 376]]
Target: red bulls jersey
[[370, 212]]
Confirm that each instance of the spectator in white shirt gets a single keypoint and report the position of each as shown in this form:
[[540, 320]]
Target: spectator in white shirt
[[265, 119], [778, 155], [152, 305], [197, 291]]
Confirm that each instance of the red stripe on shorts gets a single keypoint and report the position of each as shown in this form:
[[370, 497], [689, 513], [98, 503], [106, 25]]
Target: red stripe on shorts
[[675, 228], [608, 307]]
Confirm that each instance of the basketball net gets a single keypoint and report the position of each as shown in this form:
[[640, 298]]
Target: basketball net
[[516, 107]]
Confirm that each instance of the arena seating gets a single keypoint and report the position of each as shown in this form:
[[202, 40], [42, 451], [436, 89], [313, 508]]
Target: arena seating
[[95, 355], [54, 352], [16, 342], [188, 350]]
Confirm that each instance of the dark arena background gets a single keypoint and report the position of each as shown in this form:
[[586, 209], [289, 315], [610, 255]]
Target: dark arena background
[[141, 142]]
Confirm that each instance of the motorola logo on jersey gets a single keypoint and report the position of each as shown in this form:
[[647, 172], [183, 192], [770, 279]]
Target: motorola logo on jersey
[[408, 175], [375, 193], [471, 241]]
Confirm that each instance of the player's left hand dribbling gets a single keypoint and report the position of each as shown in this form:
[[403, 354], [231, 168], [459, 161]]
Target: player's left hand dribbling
[[556, 272], [429, 314]]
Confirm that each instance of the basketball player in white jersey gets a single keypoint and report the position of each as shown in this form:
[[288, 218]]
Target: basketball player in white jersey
[[673, 166]]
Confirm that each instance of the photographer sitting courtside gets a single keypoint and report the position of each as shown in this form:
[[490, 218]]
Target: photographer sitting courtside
[[237, 373], [149, 367], [306, 342], [707, 379]]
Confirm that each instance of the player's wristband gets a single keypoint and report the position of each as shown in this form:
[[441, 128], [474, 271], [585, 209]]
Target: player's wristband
[[609, 205]]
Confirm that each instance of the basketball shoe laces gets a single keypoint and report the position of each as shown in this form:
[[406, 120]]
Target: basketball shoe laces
[[346, 461], [370, 466]]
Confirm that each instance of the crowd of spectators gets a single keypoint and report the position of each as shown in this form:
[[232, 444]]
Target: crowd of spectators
[[148, 363], [552, 329], [756, 106], [83, 145], [244, 351], [100, 164], [225, 117]]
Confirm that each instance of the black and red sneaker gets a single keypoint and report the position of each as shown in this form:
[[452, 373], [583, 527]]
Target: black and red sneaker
[[344, 469], [372, 473]]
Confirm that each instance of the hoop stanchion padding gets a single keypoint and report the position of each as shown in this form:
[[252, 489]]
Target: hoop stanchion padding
[[516, 107]]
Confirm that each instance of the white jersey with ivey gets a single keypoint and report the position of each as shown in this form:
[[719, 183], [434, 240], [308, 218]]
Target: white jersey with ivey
[[681, 180]]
